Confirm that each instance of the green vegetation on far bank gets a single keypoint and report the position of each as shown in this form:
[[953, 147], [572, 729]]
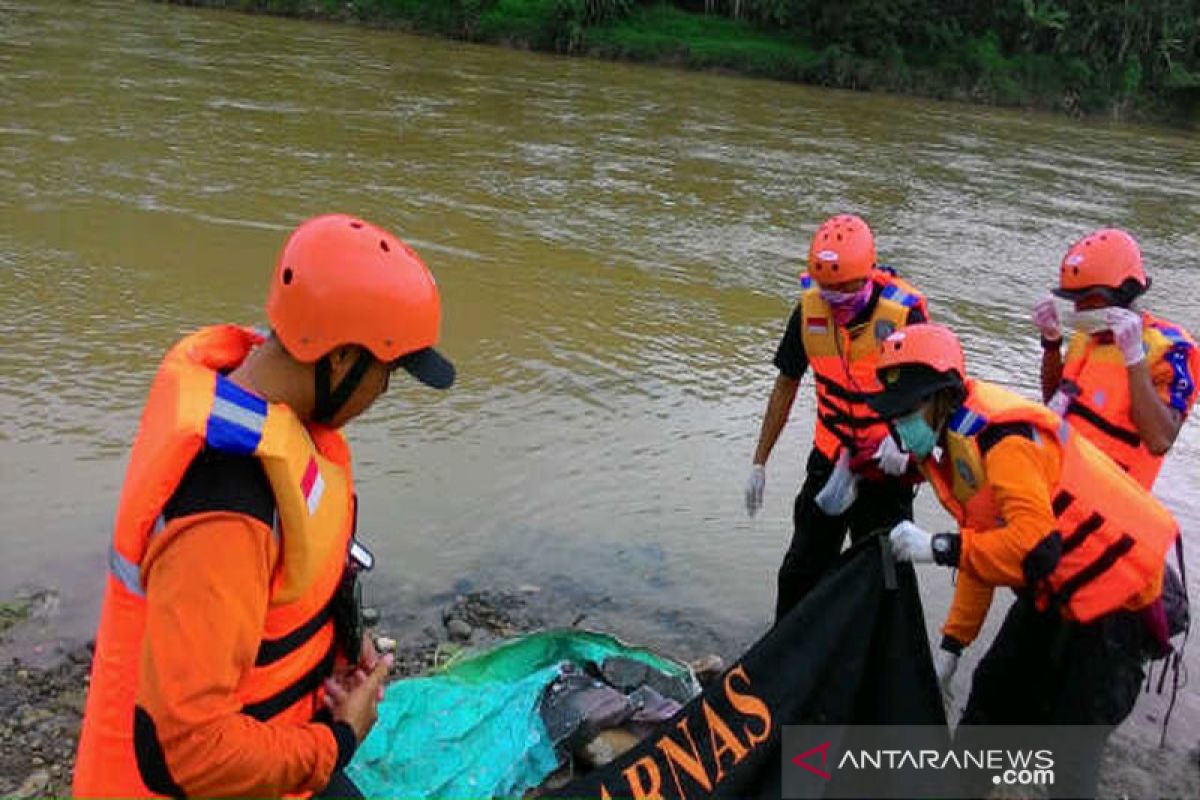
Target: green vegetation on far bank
[[1130, 60]]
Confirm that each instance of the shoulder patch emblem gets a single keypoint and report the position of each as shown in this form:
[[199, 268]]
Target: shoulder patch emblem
[[964, 472]]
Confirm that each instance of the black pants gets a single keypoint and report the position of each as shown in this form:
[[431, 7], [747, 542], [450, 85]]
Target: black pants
[[1042, 670], [817, 539], [340, 788]]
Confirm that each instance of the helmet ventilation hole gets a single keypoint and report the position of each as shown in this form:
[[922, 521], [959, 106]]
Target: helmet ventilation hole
[[287, 276], [384, 246], [834, 267], [356, 224]]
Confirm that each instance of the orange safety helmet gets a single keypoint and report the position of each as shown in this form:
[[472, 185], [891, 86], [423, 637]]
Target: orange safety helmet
[[842, 249], [915, 362], [339, 280], [1107, 261]]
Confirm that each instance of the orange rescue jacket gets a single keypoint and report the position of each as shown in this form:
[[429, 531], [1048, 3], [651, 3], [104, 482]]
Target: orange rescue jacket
[[843, 361], [1110, 537], [1095, 391], [192, 406]]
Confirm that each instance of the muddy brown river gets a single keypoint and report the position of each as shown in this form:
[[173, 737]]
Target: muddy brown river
[[618, 249]]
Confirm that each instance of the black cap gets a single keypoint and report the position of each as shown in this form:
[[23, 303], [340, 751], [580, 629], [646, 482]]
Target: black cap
[[429, 367], [1121, 295], [1107, 292], [907, 386]]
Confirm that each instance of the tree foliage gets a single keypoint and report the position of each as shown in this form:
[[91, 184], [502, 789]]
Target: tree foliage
[[1103, 50], [1081, 55]]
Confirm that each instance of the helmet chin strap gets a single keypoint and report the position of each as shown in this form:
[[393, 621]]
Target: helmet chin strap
[[329, 400]]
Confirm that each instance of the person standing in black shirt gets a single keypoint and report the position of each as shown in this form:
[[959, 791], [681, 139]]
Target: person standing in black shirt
[[848, 305]]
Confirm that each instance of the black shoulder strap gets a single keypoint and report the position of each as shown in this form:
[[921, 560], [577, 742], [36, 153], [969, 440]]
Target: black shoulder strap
[[992, 435], [217, 481]]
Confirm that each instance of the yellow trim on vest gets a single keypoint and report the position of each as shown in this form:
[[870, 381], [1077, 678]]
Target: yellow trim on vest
[[864, 343], [315, 522]]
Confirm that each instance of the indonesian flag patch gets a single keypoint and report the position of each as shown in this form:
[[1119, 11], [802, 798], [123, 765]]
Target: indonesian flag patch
[[818, 325], [312, 485]]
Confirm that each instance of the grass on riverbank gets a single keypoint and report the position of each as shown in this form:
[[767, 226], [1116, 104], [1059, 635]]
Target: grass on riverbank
[[664, 34], [966, 67]]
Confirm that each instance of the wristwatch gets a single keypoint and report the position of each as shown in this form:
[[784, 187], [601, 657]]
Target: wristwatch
[[946, 547], [1052, 344]]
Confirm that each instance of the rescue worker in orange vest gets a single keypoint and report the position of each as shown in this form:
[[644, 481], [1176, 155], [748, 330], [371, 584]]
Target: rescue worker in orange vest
[[230, 658], [848, 305], [1128, 380], [1042, 510]]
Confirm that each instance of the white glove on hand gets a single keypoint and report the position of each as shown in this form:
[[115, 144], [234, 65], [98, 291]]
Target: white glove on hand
[[945, 664], [910, 543], [1126, 327], [892, 460], [1045, 316], [754, 488]]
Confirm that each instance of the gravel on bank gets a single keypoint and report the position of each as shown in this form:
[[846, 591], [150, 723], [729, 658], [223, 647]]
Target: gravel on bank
[[41, 707]]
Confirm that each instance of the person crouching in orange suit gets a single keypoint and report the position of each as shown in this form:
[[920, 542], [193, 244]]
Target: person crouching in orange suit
[[230, 658], [1042, 510]]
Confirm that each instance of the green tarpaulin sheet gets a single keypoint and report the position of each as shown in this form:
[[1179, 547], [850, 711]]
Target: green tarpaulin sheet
[[474, 730]]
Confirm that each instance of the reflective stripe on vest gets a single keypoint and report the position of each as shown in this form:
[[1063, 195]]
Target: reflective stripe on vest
[[235, 424], [897, 295], [127, 573]]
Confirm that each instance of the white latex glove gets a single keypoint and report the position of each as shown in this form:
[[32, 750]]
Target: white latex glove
[[910, 543], [840, 491], [892, 460], [1045, 316], [1126, 327], [754, 488], [945, 664]]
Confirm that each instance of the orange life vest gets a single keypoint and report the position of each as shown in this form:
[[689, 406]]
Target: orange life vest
[[192, 406], [1111, 536], [843, 361], [1094, 393]]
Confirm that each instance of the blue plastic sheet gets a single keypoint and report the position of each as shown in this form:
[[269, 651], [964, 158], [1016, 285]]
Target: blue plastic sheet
[[474, 729]]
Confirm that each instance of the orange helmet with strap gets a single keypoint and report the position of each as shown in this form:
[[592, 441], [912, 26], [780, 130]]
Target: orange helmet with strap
[[842, 249], [342, 281], [1107, 261], [914, 363], [339, 280]]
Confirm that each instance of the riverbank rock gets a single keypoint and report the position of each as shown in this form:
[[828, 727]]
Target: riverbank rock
[[35, 785], [458, 630], [40, 714]]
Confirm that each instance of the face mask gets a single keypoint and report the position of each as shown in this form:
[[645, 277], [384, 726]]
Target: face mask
[[915, 434], [847, 305], [1088, 322]]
